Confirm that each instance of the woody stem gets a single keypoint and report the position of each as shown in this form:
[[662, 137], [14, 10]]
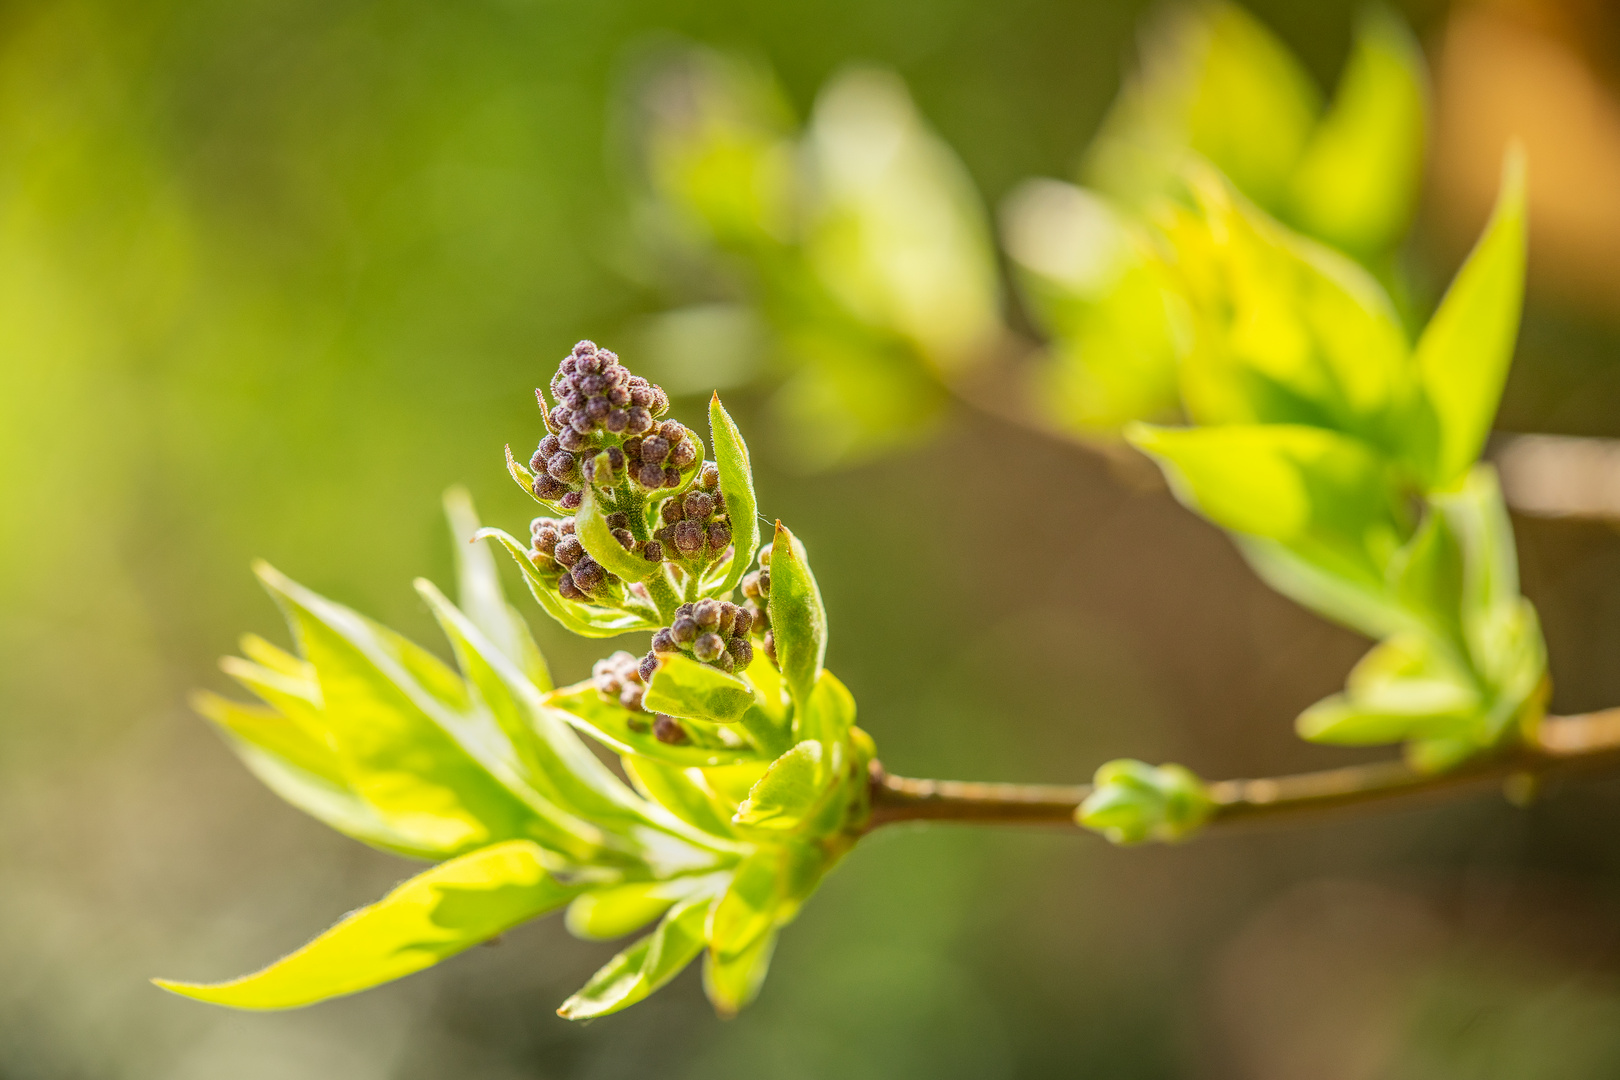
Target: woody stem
[[1561, 745]]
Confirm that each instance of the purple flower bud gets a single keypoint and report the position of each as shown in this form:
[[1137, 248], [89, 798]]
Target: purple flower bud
[[654, 449], [710, 477], [597, 408], [569, 550], [719, 536], [631, 698], [617, 420], [671, 431], [707, 613], [696, 504], [667, 730], [607, 356], [625, 539], [573, 500], [618, 395], [649, 664], [672, 476], [591, 385], [664, 641], [574, 400], [707, 647], [580, 421], [660, 402], [563, 465], [568, 526], [750, 584], [688, 536], [569, 439], [769, 645], [640, 395], [741, 650], [744, 619], [640, 419], [719, 502], [684, 454], [588, 574], [653, 552], [684, 630], [584, 348], [649, 475], [549, 487], [725, 662], [588, 364], [569, 591], [671, 511], [728, 618]]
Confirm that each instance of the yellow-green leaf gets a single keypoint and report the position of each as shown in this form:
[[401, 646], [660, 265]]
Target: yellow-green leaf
[[436, 914]]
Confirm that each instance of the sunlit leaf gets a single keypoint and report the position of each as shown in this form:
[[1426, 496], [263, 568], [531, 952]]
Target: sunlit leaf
[[626, 732], [645, 966], [586, 620], [1357, 184], [478, 589], [613, 911], [798, 618], [733, 983], [1327, 496], [684, 792], [434, 915], [790, 791], [1464, 353], [685, 688], [737, 483], [590, 524]]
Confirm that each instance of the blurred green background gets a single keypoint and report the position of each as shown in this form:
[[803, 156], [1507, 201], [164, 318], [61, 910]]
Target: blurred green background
[[273, 275]]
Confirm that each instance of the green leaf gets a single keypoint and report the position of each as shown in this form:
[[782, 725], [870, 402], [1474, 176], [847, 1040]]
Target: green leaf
[[737, 483], [509, 718], [764, 893], [613, 911], [592, 528], [478, 588], [830, 712], [734, 982], [1132, 801], [798, 618], [1288, 331], [390, 712], [434, 915], [1464, 353], [309, 779], [791, 789], [1328, 497], [614, 726], [1360, 601], [1358, 182], [1216, 81], [684, 792], [586, 620], [645, 966], [683, 687]]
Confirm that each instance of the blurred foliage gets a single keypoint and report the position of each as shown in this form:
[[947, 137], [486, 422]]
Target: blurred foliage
[[275, 275]]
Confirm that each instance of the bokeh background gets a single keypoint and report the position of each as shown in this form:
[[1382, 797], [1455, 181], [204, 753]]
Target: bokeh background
[[275, 273]]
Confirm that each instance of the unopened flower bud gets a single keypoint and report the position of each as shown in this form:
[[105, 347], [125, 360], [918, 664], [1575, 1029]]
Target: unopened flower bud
[[719, 536], [637, 419], [707, 613], [684, 630], [548, 487], [710, 477], [617, 521], [569, 439], [653, 552], [684, 454], [563, 465], [664, 641], [740, 648], [744, 619], [649, 475], [631, 697], [649, 664], [696, 504], [671, 511], [568, 590], [689, 538], [625, 538], [573, 500], [569, 550], [654, 449], [588, 574], [725, 662], [707, 647], [666, 729], [728, 618], [769, 645]]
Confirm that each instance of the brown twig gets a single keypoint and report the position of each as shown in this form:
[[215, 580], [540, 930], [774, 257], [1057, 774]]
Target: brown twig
[[1562, 745]]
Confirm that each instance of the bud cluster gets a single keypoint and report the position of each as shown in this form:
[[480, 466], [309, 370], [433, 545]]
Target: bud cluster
[[714, 632], [600, 405], [554, 547], [618, 678], [756, 586], [696, 525]]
